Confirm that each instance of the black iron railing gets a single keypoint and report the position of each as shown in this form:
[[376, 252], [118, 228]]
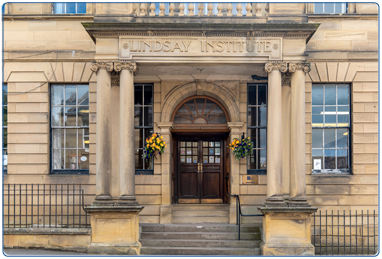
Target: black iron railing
[[44, 206], [239, 212], [345, 233]]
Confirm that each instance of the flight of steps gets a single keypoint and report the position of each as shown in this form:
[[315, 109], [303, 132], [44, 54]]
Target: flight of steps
[[199, 239], [200, 213]]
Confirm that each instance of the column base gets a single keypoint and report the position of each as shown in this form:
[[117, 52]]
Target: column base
[[125, 200], [115, 230], [298, 202], [102, 200], [275, 201], [286, 231]]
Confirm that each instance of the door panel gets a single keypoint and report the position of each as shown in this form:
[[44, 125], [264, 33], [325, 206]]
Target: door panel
[[200, 170]]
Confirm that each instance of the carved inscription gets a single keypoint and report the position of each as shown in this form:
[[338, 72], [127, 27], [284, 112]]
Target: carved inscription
[[249, 46]]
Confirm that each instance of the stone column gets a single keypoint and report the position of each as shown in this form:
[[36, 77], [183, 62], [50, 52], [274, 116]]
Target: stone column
[[286, 134], [103, 137], [126, 132], [297, 175], [274, 134]]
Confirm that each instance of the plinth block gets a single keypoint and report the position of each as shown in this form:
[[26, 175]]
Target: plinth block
[[115, 230], [286, 231]]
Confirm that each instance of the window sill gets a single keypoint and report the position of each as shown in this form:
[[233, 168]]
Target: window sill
[[144, 172], [256, 172], [324, 172], [74, 171], [341, 15]]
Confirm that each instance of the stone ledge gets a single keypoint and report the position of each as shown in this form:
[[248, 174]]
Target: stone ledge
[[287, 209], [104, 208], [47, 231]]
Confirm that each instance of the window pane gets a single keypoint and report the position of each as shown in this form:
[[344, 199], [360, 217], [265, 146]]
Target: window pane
[[148, 95], [5, 115], [329, 7], [70, 7], [138, 159], [138, 138], [252, 95], [252, 160], [148, 163], [58, 138], [71, 138], [83, 95], [70, 115], [252, 135], [83, 159], [317, 95], [342, 138], [148, 116], [262, 116], [342, 159], [317, 159], [71, 158], [318, 8], [329, 138], [138, 96], [263, 158], [262, 95], [57, 116], [5, 137], [343, 95], [330, 159], [330, 95], [57, 95], [70, 95], [252, 118], [138, 116], [338, 7], [83, 116], [81, 7], [263, 138], [147, 132], [58, 159], [317, 138], [59, 8], [330, 120]]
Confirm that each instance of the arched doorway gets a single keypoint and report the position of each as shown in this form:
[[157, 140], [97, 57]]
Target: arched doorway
[[200, 163]]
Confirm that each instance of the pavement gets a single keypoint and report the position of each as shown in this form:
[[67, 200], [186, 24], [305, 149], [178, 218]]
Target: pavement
[[39, 252]]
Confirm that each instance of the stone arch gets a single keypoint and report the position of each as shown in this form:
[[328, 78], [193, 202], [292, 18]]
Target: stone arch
[[220, 93]]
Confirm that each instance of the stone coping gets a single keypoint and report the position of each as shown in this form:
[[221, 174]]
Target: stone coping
[[288, 209], [105, 208], [47, 231]]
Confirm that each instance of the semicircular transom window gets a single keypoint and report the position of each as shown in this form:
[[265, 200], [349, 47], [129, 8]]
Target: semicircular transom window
[[200, 111]]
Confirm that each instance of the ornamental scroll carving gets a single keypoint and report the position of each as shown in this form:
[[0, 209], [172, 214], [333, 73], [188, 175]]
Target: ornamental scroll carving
[[97, 65], [305, 67], [131, 66], [270, 66]]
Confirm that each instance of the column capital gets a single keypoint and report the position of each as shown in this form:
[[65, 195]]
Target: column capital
[[95, 66], [286, 81], [304, 66], [131, 66], [281, 66]]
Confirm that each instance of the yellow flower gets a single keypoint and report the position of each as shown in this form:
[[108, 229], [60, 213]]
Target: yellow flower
[[232, 148], [165, 145], [161, 144], [147, 145], [164, 142], [154, 135], [161, 137]]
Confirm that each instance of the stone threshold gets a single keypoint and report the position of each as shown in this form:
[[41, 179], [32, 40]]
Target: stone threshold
[[47, 231]]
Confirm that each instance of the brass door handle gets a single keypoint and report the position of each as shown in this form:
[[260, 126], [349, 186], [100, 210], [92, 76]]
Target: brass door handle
[[198, 167]]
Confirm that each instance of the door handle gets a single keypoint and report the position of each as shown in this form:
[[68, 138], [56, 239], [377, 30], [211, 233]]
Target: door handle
[[198, 167], [201, 167]]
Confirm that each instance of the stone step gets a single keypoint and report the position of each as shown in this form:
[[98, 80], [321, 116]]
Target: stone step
[[200, 213], [200, 243], [199, 251], [200, 219], [211, 207], [200, 235], [199, 228]]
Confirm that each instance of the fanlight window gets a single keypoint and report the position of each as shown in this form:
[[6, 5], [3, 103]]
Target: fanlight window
[[200, 111]]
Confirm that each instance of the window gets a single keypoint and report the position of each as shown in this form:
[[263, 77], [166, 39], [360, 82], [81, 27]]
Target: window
[[5, 127], [143, 124], [70, 128], [257, 127], [330, 8], [331, 128], [68, 8]]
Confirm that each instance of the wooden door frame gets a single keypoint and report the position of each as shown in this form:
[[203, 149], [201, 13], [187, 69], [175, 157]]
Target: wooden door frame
[[176, 134]]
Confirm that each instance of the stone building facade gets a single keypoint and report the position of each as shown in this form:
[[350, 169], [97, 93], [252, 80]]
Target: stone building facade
[[294, 80]]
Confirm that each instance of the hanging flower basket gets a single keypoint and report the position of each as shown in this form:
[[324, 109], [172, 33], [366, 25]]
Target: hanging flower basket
[[241, 148], [154, 146]]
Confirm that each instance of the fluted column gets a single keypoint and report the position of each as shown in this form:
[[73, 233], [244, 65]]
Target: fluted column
[[297, 175], [286, 92], [126, 129], [103, 136], [274, 134]]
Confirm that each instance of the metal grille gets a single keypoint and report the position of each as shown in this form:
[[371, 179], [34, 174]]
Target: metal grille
[[345, 233], [44, 206]]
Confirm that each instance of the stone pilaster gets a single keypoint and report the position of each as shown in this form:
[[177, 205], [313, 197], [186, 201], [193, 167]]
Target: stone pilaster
[[103, 137], [274, 134], [286, 95], [297, 175], [235, 129], [126, 128]]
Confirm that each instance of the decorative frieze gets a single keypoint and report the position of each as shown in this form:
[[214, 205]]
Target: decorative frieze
[[304, 66], [97, 65], [270, 66], [131, 66]]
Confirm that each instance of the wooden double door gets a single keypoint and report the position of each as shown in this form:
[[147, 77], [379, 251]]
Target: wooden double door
[[200, 170]]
